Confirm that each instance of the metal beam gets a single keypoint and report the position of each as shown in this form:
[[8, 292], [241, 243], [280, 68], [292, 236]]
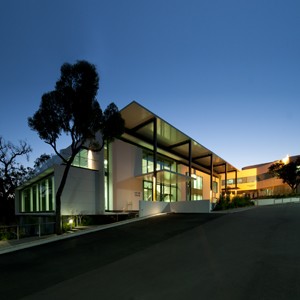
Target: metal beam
[[150, 142], [202, 156], [136, 128], [179, 144]]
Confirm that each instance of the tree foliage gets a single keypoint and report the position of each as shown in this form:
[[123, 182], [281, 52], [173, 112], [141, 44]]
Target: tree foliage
[[72, 109], [12, 174], [289, 173]]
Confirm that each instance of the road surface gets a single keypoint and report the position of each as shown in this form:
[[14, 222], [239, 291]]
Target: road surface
[[252, 254]]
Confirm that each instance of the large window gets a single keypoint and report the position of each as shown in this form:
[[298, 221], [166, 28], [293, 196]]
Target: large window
[[85, 159], [161, 164], [39, 197], [215, 187], [147, 190], [197, 188], [166, 191], [81, 159]]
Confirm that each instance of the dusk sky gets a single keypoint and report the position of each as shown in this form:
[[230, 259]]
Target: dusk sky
[[225, 72]]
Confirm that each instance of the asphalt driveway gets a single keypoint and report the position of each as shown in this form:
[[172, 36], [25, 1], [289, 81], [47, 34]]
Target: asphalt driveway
[[252, 254]]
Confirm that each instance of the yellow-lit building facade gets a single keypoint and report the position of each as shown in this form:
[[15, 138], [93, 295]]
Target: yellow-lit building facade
[[255, 181]]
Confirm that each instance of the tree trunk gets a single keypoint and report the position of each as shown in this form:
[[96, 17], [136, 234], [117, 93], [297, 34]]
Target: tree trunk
[[58, 220]]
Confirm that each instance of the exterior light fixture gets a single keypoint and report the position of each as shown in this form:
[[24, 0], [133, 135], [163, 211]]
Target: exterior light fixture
[[71, 223]]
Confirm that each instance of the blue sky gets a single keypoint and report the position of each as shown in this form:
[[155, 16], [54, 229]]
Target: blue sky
[[225, 72]]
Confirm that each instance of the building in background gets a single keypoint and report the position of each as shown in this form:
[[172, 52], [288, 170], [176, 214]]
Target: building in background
[[255, 181]]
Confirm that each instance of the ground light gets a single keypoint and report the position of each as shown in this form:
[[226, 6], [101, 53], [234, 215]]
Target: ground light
[[71, 221]]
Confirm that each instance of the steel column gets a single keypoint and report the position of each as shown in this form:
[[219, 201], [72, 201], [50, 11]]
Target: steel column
[[154, 184]]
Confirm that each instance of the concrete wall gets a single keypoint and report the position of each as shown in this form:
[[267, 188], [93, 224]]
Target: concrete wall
[[202, 206], [80, 195], [147, 208], [127, 189], [272, 201]]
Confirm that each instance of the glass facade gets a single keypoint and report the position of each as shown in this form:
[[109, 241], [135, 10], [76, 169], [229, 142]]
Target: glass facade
[[85, 159], [165, 191], [81, 159], [215, 187], [240, 180], [197, 188], [161, 164], [39, 197], [147, 190]]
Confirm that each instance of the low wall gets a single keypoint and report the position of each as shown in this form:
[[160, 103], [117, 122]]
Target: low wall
[[272, 201], [202, 206], [147, 208]]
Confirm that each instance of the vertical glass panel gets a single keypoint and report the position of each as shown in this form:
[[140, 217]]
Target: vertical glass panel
[[38, 197], [34, 198], [81, 159], [43, 195], [215, 187], [150, 166], [26, 200], [147, 191], [173, 193], [144, 165], [50, 194]]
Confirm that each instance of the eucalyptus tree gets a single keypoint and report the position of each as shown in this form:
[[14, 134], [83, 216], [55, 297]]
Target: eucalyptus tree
[[72, 110], [12, 174], [288, 172]]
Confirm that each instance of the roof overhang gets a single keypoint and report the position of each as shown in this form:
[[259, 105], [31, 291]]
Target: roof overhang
[[171, 142], [36, 178]]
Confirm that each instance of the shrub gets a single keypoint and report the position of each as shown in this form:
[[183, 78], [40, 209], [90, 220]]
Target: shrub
[[237, 201]]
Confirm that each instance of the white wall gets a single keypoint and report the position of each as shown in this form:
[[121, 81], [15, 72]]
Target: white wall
[[80, 192], [127, 189], [148, 208], [201, 206], [272, 201]]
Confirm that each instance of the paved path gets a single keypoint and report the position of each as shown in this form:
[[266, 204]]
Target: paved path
[[253, 254]]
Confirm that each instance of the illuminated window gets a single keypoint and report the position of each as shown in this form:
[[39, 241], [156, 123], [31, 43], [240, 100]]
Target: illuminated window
[[215, 187], [162, 163], [197, 183], [81, 159], [147, 191], [38, 197]]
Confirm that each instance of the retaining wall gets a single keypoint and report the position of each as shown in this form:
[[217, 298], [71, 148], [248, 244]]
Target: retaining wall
[[147, 208]]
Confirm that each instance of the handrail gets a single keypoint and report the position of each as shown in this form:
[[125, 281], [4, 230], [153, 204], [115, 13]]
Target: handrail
[[17, 228]]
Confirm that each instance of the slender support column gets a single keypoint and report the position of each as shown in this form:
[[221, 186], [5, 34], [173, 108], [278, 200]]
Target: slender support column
[[235, 181], [225, 178], [154, 188], [211, 177], [190, 172]]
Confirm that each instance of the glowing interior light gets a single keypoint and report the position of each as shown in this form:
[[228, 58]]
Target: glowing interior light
[[90, 159], [286, 160]]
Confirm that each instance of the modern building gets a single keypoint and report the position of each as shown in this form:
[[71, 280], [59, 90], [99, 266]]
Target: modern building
[[152, 162], [256, 181]]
